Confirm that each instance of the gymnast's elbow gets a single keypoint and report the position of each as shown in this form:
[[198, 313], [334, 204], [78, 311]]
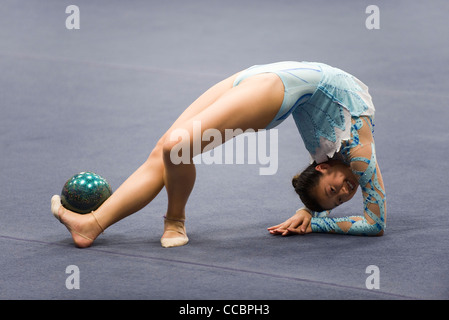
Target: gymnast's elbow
[[380, 233], [376, 231], [372, 233]]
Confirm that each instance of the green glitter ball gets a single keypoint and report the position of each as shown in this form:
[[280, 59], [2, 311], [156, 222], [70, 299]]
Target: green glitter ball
[[85, 192]]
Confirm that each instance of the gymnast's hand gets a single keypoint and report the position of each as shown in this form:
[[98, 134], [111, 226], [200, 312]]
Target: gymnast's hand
[[299, 223]]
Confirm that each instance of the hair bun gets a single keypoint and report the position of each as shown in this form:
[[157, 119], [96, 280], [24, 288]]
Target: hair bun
[[295, 181]]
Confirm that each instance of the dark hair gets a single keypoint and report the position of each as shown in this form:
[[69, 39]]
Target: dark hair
[[304, 183]]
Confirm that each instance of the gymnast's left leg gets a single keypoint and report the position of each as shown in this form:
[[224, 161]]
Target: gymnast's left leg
[[251, 105]]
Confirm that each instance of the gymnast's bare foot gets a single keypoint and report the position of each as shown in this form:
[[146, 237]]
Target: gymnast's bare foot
[[84, 228]]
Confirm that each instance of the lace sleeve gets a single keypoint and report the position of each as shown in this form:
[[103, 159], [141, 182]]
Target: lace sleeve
[[360, 151]]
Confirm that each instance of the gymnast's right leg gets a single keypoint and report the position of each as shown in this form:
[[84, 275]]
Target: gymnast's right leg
[[139, 189]]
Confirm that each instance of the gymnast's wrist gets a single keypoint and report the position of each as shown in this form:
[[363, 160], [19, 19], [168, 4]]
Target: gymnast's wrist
[[306, 209]]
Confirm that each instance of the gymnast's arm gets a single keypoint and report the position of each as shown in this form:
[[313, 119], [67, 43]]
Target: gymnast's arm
[[363, 163]]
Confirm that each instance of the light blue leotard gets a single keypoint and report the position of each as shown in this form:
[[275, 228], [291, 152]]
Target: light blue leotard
[[300, 81], [322, 100], [330, 107]]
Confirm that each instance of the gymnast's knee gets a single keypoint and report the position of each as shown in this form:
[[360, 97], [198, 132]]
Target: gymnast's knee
[[170, 148], [157, 152], [176, 150]]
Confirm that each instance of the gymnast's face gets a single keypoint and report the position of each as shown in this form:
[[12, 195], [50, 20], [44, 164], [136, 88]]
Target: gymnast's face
[[337, 185]]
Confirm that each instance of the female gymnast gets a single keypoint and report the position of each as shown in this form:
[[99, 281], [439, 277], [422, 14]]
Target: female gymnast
[[333, 112]]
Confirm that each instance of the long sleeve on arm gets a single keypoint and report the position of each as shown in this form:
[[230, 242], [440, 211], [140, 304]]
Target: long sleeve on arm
[[360, 151]]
